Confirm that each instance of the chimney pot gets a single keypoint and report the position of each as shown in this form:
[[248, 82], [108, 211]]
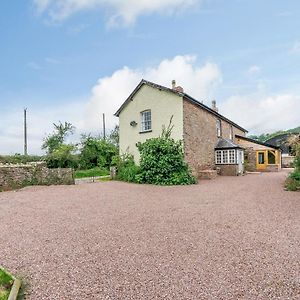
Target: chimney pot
[[173, 84], [214, 105]]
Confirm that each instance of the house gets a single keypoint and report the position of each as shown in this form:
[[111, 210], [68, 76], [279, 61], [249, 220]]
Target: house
[[209, 138]]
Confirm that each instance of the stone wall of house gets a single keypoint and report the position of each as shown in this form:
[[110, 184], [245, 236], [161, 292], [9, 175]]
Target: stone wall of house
[[228, 170], [200, 136], [250, 159], [18, 176]]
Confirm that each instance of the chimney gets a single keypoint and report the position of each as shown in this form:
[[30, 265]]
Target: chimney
[[173, 84], [214, 106], [178, 89]]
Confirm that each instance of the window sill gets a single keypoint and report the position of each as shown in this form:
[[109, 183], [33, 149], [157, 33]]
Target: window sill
[[146, 131]]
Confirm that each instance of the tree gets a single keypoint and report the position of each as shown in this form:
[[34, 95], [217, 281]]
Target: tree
[[96, 152], [60, 154], [57, 138], [114, 136]]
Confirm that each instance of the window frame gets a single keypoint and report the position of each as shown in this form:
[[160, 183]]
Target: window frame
[[226, 157], [219, 128], [145, 127], [231, 133]]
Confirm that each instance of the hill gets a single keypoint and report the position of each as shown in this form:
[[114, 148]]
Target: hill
[[266, 136]]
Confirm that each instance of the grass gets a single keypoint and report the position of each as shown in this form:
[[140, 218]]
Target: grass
[[6, 283], [91, 173]]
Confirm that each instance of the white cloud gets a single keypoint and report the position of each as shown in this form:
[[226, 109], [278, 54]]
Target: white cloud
[[120, 11], [254, 70], [296, 48], [106, 97], [112, 91], [263, 113]]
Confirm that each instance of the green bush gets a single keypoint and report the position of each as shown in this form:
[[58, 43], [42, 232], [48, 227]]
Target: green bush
[[96, 152], [162, 161], [127, 169], [19, 159], [63, 157]]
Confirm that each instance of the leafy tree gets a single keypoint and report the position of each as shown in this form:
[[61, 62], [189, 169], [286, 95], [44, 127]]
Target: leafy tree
[[57, 138], [63, 157], [60, 154], [96, 152], [114, 136]]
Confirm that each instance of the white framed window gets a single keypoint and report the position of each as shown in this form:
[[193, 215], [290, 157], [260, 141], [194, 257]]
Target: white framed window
[[225, 157], [231, 156], [218, 157], [219, 128], [146, 123]]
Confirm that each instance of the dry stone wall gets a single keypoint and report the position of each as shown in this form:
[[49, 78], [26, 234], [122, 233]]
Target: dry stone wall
[[18, 176]]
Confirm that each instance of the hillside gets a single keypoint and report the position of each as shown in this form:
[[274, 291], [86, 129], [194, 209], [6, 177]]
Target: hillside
[[265, 136]]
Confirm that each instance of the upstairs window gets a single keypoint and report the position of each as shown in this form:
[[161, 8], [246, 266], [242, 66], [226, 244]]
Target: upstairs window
[[219, 128], [231, 133], [146, 124]]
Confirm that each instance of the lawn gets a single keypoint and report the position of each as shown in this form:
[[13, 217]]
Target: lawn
[[91, 173], [6, 283]]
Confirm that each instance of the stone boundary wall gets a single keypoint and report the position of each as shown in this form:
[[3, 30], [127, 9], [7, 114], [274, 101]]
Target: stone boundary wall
[[287, 161], [18, 176]]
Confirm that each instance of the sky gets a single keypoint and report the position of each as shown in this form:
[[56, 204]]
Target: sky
[[72, 60]]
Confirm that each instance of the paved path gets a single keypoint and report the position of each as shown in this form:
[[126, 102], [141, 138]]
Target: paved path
[[230, 238]]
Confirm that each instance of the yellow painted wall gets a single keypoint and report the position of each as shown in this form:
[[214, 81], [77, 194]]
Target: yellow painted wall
[[163, 105]]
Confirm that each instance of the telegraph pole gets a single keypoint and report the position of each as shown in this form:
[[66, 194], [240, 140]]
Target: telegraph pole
[[25, 132], [103, 119]]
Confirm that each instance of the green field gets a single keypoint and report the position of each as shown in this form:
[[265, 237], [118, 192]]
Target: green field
[[91, 173]]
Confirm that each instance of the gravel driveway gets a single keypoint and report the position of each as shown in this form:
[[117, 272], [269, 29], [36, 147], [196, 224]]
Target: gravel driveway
[[230, 238]]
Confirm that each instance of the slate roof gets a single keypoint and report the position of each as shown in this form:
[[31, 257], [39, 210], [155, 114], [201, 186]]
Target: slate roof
[[226, 144], [256, 142], [186, 96]]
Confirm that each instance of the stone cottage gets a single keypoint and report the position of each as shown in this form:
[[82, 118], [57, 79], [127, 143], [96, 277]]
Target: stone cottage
[[209, 138]]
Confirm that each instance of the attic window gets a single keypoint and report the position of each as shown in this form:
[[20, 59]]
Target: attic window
[[146, 124]]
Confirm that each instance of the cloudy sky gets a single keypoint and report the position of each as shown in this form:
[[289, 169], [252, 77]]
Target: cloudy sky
[[72, 60]]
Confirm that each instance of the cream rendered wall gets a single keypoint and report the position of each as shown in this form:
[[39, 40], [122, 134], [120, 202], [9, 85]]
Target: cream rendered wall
[[163, 105]]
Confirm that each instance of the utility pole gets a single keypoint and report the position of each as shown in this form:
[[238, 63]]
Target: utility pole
[[104, 133], [25, 132]]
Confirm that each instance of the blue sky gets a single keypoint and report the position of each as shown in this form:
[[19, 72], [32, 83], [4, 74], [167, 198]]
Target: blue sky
[[78, 59]]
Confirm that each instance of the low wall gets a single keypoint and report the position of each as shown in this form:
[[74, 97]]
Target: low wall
[[287, 161], [18, 176], [228, 170]]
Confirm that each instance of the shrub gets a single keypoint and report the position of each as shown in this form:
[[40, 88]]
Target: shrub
[[162, 161], [127, 169], [62, 157], [96, 152], [19, 159]]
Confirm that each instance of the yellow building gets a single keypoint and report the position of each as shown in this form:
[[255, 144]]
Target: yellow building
[[260, 156]]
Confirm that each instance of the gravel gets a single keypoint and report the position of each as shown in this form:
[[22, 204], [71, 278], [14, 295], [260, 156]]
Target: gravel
[[229, 238]]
